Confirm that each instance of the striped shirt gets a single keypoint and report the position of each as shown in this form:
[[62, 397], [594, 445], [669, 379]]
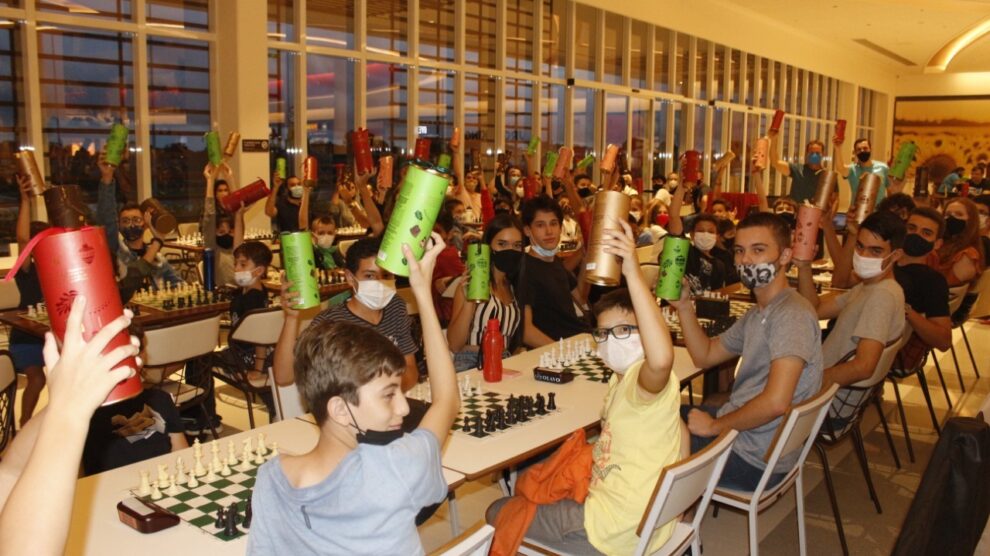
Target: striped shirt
[[509, 317], [394, 325]]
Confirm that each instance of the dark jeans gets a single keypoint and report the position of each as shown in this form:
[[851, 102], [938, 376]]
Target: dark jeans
[[738, 474]]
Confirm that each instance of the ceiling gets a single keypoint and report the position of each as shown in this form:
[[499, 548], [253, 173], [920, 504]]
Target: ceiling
[[912, 30]]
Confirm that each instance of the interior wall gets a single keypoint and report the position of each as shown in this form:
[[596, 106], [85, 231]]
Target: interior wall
[[943, 84]]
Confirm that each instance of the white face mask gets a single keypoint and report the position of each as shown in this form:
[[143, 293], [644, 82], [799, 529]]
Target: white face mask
[[636, 214], [325, 241], [296, 191], [375, 294], [244, 278], [619, 355], [867, 267], [704, 240], [520, 191]]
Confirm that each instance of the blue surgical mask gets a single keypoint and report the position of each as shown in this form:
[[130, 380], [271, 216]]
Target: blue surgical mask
[[545, 252], [815, 159]]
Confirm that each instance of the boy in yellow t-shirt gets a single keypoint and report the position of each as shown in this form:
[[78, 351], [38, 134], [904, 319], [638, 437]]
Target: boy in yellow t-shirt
[[641, 426]]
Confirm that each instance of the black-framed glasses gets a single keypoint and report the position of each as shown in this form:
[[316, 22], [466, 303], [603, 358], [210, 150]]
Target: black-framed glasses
[[620, 332]]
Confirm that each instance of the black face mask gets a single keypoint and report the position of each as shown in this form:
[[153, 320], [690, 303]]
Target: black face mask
[[507, 261], [863, 156], [225, 241], [729, 242], [916, 246], [374, 438], [954, 226], [132, 233]]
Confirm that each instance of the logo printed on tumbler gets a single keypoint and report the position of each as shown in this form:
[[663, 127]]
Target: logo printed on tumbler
[[64, 303], [87, 253]]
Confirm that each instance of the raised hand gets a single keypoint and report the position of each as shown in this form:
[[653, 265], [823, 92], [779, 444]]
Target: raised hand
[[421, 271], [288, 298]]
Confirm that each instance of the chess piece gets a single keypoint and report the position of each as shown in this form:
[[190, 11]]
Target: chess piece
[[225, 471], [156, 494], [180, 470], [172, 489], [500, 423], [199, 470], [210, 475], [262, 449], [145, 488], [274, 451], [231, 458], [230, 527], [245, 460], [193, 482], [162, 473], [552, 403], [220, 520], [479, 430], [541, 403], [165, 483], [197, 448], [248, 512]]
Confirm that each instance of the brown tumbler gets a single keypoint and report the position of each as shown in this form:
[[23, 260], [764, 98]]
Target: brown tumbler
[[65, 206], [605, 269], [866, 196], [27, 166], [162, 220]]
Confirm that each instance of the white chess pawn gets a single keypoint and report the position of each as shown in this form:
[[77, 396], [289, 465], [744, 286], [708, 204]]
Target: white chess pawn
[[193, 482], [231, 458], [245, 460], [162, 473], [225, 470], [145, 488], [274, 451], [211, 475], [166, 482], [180, 466], [155, 493], [262, 449], [259, 458], [172, 489], [199, 470]]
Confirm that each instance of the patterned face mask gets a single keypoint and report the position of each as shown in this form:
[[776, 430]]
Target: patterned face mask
[[757, 275]]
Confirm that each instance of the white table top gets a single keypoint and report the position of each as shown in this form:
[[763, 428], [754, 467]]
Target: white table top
[[96, 529]]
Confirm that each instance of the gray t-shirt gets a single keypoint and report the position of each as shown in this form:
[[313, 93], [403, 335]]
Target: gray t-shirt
[[870, 311], [786, 327], [367, 505]]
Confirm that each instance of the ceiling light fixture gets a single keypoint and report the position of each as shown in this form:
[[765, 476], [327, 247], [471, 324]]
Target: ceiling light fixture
[[941, 60]]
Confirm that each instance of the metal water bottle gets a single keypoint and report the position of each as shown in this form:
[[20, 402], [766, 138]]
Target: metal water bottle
[[209, 269], [492, 346]]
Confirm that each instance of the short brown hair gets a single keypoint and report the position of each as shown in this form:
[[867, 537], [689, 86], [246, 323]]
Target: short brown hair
[[337, 358], [615, 299], [777, 226]]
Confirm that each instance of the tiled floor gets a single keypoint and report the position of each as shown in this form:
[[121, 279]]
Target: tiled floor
[[866, 531]]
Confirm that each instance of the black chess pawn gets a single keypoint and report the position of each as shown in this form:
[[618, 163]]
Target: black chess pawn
[[490, 421], [182, 303], [510, 414], [606, 375], [230, 522], [479, 427], [500, 422], [220, 521], [541, 405], [189, 301], [248, 514], [552, 403]]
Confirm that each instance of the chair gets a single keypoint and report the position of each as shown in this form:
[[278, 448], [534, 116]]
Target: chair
[[959, 318], [645, 254], [344, 245], [8, 395], [10, 295], [475, 542], [261, 328], [797, 431], [650, 271], [982, 306], [679, 486], [183, 344], [895, 375], [956, 298], [412, 307], [853, 402]]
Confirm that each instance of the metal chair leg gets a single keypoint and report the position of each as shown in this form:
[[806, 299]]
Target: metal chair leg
[[213, 428], [955, 361], [861, 453], [250, 408], [831, 498], [972, 359], [904, 425], [941, 379], [886, 429], [928, 398]]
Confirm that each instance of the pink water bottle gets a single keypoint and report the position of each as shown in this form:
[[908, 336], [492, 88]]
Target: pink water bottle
[[492, 345]]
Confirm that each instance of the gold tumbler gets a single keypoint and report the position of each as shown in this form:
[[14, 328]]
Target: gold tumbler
[[28, 167], [233, 141], [866, 196], [828, 182], [600, 267]]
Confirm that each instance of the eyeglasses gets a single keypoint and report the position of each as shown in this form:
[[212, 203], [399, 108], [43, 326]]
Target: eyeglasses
[[131, 221], [620, 332]]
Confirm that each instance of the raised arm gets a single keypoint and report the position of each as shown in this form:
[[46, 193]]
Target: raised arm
[[720, 167], [705, 352], [284, 358], [106, 202], [304, 208], [208, 221], [760, 187], [373, 217], [675, 226], [460, 323], [780, 164], [24, 213], [270, 206], [239, 227], [839, 162]]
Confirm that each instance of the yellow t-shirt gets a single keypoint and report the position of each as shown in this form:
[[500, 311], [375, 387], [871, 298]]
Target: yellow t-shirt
[[639, 437]]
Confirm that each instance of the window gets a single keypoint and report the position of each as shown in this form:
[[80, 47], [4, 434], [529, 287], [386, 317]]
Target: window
[[640, 111], [661, 149], [518, 119], [553, 38], [282, 71], [585, 119], [682, 55], [436, 109], [12, 126], [86, 86], [614, 33], [436, 29], [281, 24], [661, 52], [585, 42], [639, 49], [479, 118], [179, 102], [616, 127], [519, 35], [552, 115], [178, 14], [388, 89], [701, 70], [718, 79], [115, 9], [479, 34], [388, 24], [330, 23], [329, 116]]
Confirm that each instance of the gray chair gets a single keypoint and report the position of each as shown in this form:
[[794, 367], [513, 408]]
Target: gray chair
[[8, 395]]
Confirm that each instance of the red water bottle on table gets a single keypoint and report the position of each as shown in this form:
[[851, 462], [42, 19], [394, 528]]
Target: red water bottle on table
[[492, 347]]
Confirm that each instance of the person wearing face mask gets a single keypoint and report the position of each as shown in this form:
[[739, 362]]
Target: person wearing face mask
[[779, 341], [371, 304], [138, 264], [804, 177], [657, 220], [706, 265], [504, 235], [983, 209], [641, 428], [364, 470], [449, 266], [218, 227], [325, 249], [352, 204], [868, 316], [960, 258], [864, 164], [570, 232]]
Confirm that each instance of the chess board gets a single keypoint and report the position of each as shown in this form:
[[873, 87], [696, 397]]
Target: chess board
[[715, 327], [198, 506], [37, 317], [159, 305], [591, 368], [474, 405]]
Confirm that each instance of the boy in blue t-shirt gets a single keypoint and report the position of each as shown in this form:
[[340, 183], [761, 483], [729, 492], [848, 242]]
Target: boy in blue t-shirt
[[359, 490]]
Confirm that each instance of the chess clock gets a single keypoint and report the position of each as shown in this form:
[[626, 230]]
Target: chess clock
[[146, 517], [556, 377]]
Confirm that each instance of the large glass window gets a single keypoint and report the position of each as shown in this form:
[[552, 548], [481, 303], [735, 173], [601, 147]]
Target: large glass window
[[330, 23], [585, 120], [87, 84], [751, 76], [479, 117], [12, 127], [614, 32], [479, 36], [436, 29], [179, 102], [617, 126], [518, 118], [116, 9], [736, 76], [661, 53], [519, 26], [639, 49], [553, 37], [585, 41], [718, 80], [388, 89], [436, 109], [682, 55], [661, 149], [178, 14], [281, 23], [282, 71], [388, 24], [701, 70], [640, 111], [329, 115], [552, 117]]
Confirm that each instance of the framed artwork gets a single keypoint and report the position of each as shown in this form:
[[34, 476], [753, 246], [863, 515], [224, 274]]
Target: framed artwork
[[950, 132]]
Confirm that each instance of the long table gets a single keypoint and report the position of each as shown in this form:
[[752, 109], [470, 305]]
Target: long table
[[96, 529]]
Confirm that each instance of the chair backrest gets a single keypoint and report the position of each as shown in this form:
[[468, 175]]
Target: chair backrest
[[886, 359], [260, 327], [645, 254], [680, 485], [471, 543], [8, 395], [956, 297], [344, 245], [798, 429], [10, 295], [650, 271], [982, 306], [407, 295], [188, 228], [181, 342]]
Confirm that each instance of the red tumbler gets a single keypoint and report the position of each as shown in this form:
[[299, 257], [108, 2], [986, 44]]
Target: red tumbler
[[493, 345], [778, 118], [691, 166], [385, 172], [362, 151], [310, 171], [245, 196], [422, 151], [840, 130]]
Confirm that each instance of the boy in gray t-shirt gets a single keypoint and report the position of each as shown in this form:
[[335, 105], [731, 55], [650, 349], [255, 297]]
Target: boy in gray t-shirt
[[779, 341], [868, 317], [359, 490]]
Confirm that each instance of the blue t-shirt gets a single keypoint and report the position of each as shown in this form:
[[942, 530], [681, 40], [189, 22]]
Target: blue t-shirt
[[367, 505], [878, 168]]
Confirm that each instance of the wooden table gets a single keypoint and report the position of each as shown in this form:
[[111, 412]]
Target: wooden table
[[95, 528]]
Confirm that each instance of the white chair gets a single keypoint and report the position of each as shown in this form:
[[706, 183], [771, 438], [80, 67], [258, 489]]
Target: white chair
[[188, 228], [344, 245], [259, 328], [10, 295], [8, 395], [797, 432], [956, 297], [651, 271], [474, 542], [645, 254], [178, 344], [412, 307]]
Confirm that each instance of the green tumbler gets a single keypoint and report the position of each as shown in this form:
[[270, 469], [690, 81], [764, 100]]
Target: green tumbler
[[551, 163], [903, 160], [534, 143], [443, 161], [479, 258], [420, 198], [213, 151], [280, 167], [116, 144], [673, 263], [300, 268], [585, 162]]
